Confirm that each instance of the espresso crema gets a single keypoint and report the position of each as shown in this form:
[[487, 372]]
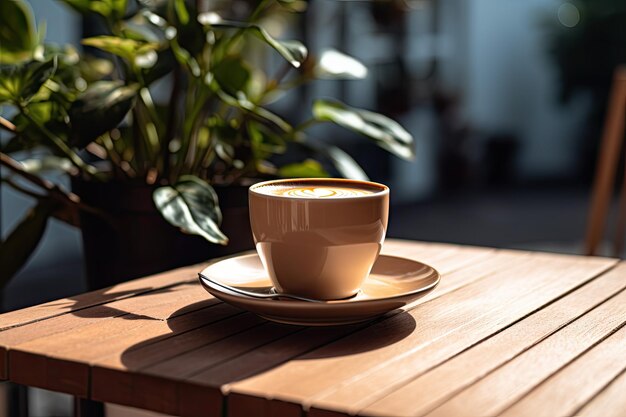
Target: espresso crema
[[314, 191]]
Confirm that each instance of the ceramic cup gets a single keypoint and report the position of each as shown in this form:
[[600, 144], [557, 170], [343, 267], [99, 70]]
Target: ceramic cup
[[314, 243]]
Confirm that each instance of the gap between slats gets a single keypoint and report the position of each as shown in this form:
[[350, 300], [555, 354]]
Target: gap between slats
[[609, 402], [498, 389], [582, 282], [445, 370], [593, 370], [476, 258]]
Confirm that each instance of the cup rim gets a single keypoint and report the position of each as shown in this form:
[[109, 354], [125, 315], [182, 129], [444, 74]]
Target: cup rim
[[384, 189]]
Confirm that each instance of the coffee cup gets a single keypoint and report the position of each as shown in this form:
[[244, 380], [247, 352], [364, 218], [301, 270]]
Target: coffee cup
[[318, 238]]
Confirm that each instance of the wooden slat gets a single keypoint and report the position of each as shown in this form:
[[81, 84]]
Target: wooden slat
[[325, 370], [94, 298], [381, 379], [114, 378], [609, 403], [311, 338], [185, 305], [144, 305], [184, 354], [40, 370], [500, 389], [430, 389], [445, 257], [256, 361], [567, 391], [156, 305], [150, 384]]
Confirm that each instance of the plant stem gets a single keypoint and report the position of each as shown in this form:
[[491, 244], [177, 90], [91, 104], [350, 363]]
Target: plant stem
[[6, 124], [275, 81], [189, 127], [171, 123], [305, 125], [115, 157], [255, 14], [137, 142], [61, 146], [239, 33], [66, 197]]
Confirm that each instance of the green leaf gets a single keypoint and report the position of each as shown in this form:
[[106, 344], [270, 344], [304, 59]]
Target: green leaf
[[89, 6], [128, 49], [343, 163], [309, 168], [18, 37], [18, 83], [99, 109], [166, 61], [181, 11], [47, 163], [23, 240], [192, 205], [119, 6], [244, 103], [94, 69], [232, 74], [333, 64], [184, 57], [50, 113], [264, 141], [297, 6], [293, 51], [106, 8], [387, 133]]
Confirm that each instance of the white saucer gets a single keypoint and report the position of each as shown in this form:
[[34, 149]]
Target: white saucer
[[393, 283]]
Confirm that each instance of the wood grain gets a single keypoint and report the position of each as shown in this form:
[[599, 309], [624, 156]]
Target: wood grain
[[211, 378], [572, 387], [52, 348], [508, 384], [608, 159], [433, 387], [114, 371], [94, 298], [188, 353], [542, 278], [124, 309], [32, 364], [609, 403], [162, 343]]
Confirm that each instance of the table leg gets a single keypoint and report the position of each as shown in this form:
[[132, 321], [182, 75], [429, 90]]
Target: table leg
[[17, 400], [88, 408]]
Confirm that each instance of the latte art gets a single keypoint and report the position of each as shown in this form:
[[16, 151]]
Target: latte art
[[316, 191], [322, 192]]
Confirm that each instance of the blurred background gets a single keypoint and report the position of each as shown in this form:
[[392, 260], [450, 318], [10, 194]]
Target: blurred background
[[506, 101]]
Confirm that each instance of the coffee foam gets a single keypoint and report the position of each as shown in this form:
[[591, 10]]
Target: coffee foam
[[321, 190]]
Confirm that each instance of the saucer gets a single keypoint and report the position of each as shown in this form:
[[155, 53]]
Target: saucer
[[393, 283]]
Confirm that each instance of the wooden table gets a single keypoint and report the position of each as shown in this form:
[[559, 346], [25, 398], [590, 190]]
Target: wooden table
[[506, 333]]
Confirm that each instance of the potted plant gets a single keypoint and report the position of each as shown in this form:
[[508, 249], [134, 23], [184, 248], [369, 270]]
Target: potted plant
[[136, 160]]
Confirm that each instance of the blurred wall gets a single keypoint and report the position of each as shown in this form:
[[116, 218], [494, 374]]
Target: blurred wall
[[511, 85], [492, 57]]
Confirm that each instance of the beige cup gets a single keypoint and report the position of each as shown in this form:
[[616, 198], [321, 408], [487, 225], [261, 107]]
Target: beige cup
[[320, 248]]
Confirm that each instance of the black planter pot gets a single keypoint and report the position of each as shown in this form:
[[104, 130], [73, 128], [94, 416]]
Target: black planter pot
[[137, 241]]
